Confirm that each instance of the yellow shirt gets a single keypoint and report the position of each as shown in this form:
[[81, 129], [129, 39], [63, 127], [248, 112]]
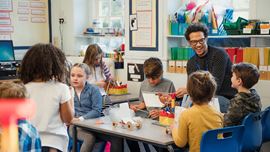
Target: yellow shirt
[[193, 122]]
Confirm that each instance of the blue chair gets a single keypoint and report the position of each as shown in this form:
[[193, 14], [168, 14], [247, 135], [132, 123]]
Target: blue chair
[[252, 135], [266, 125], [213, 140]]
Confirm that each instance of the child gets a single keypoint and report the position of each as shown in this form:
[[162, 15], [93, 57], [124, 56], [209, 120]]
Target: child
[[42, 72], [201, 117], [87, 102], [245, 76], [28, 136], [154, 82], [100, 73]]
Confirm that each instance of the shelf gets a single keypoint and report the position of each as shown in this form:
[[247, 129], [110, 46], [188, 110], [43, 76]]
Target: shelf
[[225, 36], [97, 36]]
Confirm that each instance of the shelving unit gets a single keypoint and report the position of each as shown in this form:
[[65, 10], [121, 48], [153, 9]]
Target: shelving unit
[[97, 36], [225, 36]]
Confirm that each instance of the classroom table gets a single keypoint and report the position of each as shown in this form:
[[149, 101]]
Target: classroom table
[[116, 99], [149, 133]]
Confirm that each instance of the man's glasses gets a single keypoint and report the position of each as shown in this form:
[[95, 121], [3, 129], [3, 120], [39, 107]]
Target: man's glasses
[[195, 42]]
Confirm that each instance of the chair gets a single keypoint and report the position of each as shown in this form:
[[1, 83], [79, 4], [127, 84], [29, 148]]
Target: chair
[[266, 125], [252, 135], [212, 140]]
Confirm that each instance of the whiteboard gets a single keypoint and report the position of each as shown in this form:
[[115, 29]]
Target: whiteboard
[[26, 22]]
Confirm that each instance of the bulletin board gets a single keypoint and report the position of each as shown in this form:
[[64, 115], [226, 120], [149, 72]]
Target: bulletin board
[[26, 22], [143, 25], [135, 72]]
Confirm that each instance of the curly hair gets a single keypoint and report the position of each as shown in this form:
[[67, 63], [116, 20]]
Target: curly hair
[[196, 27], [201, 86], [45, 62], [153, 68]]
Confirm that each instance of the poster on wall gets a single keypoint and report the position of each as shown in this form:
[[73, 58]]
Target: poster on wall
[[135, 72], [25, 22], [143, 29]]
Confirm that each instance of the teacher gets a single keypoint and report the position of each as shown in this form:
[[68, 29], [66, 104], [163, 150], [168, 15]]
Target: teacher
[[212, 59]]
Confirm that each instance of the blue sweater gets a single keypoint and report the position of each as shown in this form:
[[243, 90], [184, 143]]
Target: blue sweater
[[90, 103]]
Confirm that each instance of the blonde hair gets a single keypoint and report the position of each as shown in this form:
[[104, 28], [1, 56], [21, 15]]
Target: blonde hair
[[12, 90], [83, 66]]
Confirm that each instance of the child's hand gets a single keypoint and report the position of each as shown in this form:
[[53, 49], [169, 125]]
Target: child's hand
[[75, 119], [134, 107], [154, 113], [180, 92], [101, 84]]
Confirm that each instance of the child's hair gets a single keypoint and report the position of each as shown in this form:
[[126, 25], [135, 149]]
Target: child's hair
[[84, 67], [248, 73], [45, 62], [12, 90], [201, 86], [153, 68], [90, 57]]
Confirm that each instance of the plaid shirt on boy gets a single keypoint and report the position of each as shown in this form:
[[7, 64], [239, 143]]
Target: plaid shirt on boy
[[29, 140]]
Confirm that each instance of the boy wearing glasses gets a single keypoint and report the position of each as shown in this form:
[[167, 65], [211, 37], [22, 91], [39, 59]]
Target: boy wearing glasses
[[212, 59], [154, 82]]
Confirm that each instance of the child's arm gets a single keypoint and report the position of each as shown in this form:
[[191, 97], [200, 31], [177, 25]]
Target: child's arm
[[180, 134], [107, 72], [66, 112], [139, 106], [233, 116]]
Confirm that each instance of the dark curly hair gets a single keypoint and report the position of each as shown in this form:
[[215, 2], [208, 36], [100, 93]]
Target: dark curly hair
[[196, 27], [201, 87], [45, 62]]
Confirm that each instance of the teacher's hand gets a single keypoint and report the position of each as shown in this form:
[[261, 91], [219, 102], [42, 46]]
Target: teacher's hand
[[180, 92]]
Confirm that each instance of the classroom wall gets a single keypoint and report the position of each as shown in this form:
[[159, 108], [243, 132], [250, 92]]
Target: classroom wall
[[78, 15]]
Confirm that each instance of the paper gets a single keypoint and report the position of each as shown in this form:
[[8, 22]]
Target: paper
[[152, 100], [214, 102]]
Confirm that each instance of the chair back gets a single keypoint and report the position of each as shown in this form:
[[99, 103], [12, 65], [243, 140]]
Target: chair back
[[213, 140], [252, 136], [266, 125]]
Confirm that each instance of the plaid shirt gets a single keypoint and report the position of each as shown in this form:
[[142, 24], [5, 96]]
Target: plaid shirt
[[29, 140]]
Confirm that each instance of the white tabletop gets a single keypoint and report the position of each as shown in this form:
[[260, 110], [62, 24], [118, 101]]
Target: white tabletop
[[148, 133]]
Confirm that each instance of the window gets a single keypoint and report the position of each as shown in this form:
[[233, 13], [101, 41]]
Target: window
[[110, 13], [110, 19]]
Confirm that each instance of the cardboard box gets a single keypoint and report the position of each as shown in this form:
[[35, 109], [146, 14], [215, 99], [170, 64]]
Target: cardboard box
[[171, 68]]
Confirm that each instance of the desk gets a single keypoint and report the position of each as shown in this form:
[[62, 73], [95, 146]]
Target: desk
[[149, 133], [115, 99]]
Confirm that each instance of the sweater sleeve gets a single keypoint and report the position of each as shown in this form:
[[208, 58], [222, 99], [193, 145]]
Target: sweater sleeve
[[106, 71], [220, 62], [180, 134], [96, 100]]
